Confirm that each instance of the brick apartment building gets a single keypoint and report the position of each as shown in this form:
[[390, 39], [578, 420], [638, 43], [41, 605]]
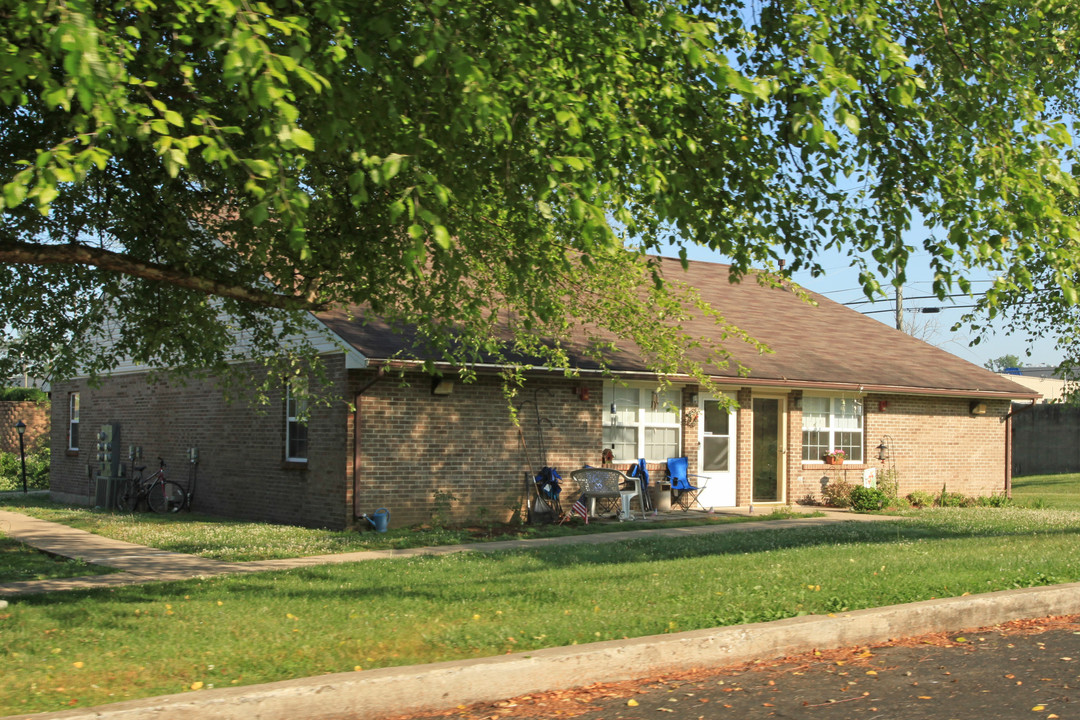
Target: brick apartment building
[[834, 379]]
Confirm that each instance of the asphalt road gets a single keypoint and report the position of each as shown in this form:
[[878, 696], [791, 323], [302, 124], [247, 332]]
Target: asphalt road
[[1028, 669]]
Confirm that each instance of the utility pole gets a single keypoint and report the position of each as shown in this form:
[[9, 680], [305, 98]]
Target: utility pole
[[899, 307]]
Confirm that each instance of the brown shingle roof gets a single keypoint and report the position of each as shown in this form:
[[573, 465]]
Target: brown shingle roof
[[825, 345]]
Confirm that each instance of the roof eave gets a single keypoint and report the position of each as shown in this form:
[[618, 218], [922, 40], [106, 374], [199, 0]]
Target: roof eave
[[748, 381]]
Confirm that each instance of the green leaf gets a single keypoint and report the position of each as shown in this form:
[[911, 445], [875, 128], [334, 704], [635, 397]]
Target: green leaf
[[442, 236], [391, 166], [821, 54], [851, 121], [303, 139], [260, 168], [14, 194], [43, 195]]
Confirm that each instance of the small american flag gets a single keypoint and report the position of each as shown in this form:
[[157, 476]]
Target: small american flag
[[580, 509]]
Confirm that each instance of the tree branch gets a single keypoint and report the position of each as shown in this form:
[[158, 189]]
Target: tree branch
[[18, 253]]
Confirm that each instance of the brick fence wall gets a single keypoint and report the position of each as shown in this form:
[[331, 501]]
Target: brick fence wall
[[242, 471], [35, 415], [1046, 439]]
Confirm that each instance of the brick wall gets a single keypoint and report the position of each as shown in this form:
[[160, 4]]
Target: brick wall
[[934, 442], [414, 444], [36, 417], [241, 471], [404, 445], [744, 441]]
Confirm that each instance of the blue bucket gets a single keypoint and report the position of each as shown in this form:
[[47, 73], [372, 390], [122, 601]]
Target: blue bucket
[[380, 519]]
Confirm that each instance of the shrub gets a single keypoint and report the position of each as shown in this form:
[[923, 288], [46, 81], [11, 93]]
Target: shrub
[[994, 501], [837, 493], [19, 394], [889, 483], [37, 470], [952, 499], [920, 499], [864, 498]]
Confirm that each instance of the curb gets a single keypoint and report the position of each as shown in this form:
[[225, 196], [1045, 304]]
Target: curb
[[392, 691]]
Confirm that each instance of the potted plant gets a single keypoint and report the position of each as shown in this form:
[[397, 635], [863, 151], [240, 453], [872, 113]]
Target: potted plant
[[836, 457]]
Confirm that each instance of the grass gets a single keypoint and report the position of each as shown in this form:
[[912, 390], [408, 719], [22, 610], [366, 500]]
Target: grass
[[1060, 492], [237, 541], [86, 648], [91, 647], [19, 562]]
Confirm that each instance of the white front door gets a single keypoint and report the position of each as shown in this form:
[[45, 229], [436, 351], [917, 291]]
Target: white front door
[[716, 452]]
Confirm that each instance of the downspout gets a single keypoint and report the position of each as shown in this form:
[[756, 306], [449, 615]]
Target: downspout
[[358, 435], [1008, 445]]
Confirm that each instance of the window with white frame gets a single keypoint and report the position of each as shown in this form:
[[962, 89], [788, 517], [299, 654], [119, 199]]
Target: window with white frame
[[644, 423], [73, 421], [829, 424], [296, 431]]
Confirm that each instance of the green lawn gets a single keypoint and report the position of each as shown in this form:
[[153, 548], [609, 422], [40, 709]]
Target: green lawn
[[88, 648], [19, 562], [238, 541], [1048, 491]]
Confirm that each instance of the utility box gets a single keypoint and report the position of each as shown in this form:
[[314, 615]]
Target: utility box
[[109, 476]]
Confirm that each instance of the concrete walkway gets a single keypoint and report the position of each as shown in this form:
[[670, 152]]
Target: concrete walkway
[[141, 564]]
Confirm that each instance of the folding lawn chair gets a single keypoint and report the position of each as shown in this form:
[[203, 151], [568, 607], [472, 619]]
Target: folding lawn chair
[[639, 471], [685, 494]]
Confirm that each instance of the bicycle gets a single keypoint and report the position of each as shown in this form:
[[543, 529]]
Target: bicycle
[[161, 494]]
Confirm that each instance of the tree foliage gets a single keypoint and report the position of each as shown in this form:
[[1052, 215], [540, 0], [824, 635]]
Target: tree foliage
[[1001, 364], [176, 172]]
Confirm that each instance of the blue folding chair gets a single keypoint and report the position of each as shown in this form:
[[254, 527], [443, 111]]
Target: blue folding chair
[[639, 471], [548, 488], [685, 494]]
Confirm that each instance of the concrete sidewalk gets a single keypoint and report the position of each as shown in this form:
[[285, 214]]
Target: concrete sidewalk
[[141, 564]]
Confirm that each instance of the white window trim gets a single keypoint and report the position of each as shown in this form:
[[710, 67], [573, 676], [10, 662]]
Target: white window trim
[[833, 430], [290, 421], [74, 407], [639, 424]]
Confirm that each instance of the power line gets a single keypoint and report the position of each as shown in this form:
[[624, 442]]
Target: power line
[[927, 310], [925, 297]]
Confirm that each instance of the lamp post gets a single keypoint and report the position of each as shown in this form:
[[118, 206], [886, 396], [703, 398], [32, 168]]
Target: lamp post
[[20, 427]]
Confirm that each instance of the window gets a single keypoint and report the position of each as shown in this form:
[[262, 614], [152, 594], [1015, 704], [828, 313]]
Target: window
[[296, 431], [832, 424], [73, 421], [646, 422]]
